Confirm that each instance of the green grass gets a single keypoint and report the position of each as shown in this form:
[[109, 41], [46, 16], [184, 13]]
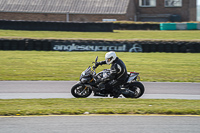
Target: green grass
[[22, 107], [54, 65], [116, 35]]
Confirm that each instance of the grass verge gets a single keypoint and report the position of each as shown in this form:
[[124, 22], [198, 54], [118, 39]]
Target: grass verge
[[116, 35], [53, 65], [23, 107]]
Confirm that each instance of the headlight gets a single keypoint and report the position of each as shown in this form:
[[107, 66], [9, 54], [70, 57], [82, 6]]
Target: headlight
[[83, 73]]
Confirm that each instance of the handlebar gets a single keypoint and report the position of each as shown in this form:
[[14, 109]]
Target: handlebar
[[95, 64]]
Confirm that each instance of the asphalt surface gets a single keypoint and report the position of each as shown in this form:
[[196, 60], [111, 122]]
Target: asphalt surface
[[97, 124], [61, 89], [100, 124]]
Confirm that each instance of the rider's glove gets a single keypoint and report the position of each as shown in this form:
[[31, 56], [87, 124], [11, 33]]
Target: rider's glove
[[96, 65]]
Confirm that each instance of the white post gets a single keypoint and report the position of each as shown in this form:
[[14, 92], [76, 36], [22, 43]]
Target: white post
[[67, 17], [135, 18]]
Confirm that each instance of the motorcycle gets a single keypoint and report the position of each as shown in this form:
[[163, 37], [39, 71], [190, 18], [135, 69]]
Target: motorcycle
[[132, 87]]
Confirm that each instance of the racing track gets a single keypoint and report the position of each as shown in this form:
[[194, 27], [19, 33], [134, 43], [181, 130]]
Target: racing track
[[61, 89], [98, 124]]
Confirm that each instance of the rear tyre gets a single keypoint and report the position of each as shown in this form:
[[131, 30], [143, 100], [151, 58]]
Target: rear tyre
[[137, 88], [80, 91]]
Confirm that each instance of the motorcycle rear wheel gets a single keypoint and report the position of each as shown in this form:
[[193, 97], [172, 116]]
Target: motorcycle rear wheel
[[80, 91], [137, 88]]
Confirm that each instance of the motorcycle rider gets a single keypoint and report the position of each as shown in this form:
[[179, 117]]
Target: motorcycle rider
[[118, 75]]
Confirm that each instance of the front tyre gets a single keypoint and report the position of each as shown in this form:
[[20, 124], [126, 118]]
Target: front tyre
[[80, 91], [137, 88]]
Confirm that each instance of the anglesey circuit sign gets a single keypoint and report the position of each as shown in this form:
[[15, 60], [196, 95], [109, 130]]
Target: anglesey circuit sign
[[135, 47]]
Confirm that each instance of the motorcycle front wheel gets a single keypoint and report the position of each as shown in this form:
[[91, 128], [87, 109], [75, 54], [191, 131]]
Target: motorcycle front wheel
[[80, 91], [137, 88]]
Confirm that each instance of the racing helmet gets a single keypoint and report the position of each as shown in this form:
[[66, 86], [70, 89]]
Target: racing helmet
[[110, 57]]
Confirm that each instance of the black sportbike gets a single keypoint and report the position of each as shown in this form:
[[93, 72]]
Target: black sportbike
[[87, 84]]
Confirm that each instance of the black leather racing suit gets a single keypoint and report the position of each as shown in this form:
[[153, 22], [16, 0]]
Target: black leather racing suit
[[118, 74]]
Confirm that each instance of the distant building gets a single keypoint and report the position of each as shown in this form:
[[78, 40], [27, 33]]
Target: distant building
[[98, 10], [166, 10]]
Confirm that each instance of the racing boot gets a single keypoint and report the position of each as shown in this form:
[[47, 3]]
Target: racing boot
[[128, 93]]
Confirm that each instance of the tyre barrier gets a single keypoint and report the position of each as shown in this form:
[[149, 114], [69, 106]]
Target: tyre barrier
[[100, 45], [57, 26], [179, 26], [74, 26], [118, 26]]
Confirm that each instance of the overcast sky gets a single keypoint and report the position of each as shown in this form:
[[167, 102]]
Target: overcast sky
[[198, 2]]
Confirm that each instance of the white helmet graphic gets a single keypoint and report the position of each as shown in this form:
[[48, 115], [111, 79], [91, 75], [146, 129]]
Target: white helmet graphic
[[110, 57]]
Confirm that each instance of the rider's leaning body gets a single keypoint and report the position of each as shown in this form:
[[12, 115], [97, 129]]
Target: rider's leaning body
[[118, 74], [118, 68]]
